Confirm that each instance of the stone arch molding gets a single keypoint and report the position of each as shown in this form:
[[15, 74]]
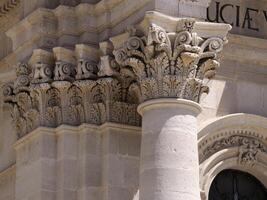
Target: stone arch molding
[[237, 141], [158, 58]]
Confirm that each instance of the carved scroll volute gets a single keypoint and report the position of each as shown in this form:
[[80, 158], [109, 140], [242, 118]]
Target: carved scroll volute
[[42, 64], [169, 63], [65, 64], [87, 57]]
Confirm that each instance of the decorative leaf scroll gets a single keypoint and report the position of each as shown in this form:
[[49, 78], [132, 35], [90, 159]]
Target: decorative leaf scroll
[[171, 64], [47, 95]]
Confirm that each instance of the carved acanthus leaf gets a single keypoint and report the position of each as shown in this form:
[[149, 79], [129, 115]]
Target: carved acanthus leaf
[[171, 64]]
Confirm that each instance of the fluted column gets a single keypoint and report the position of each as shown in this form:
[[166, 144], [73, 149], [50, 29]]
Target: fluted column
[[169, 157]]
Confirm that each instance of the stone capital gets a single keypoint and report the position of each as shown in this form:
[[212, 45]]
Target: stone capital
[[170, 57]]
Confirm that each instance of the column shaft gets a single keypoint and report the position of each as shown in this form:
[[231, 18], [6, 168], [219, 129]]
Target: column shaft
[[169, 157]]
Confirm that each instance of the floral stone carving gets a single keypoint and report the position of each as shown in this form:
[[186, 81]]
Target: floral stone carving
[[170, 64], [79, 86], [248, 148], [50, 94]]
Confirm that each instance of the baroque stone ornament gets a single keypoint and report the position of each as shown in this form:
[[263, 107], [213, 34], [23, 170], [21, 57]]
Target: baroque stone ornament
[[248, 148], [170, 64], [78, 86], [67, 91]]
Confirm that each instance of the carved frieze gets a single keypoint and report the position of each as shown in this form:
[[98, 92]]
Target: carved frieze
[[248, 148]]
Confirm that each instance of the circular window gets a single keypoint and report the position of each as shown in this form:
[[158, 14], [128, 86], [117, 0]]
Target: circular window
[[236, 185]]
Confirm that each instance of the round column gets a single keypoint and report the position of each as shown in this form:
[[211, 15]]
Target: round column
[[169, 167]]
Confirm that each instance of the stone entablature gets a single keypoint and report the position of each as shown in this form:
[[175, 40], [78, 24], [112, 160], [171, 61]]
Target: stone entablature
[[148, 61]]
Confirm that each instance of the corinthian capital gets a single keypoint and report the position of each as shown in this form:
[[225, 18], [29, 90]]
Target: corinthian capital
[[171, 57]]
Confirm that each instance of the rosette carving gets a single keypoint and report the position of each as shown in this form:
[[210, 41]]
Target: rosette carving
[[171, 64]]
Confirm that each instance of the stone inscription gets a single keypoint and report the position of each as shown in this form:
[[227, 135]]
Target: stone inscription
[[246, 17]]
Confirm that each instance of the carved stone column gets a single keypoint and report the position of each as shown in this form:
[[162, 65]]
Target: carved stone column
[[169, 157], [171, 60]]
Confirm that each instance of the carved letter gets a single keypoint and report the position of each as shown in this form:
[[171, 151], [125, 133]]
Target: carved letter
[[221, 13], [265, 15], [216, 12], [248, 19]]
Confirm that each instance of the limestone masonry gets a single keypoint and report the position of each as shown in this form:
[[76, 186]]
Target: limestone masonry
[[133, 100]]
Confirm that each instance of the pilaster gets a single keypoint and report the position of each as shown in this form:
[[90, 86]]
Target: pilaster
[[121, 152], [36, 166], [90, 163]]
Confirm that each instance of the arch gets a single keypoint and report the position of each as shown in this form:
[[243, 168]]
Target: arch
[[237, 141], [236, 184]]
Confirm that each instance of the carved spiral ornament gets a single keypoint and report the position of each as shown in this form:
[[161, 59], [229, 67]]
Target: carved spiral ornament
[[7, 90], [183, 38], [66, 69], [213, 44], [23, 80], [89, 67], [48, 71], [158, 34], [134, 43], [120, 55]]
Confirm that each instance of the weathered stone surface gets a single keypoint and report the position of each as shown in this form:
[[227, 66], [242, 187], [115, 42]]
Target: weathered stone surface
[[68, 74]]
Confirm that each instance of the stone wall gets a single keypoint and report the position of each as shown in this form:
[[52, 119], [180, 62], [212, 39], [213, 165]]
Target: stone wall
[[101, 162]]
